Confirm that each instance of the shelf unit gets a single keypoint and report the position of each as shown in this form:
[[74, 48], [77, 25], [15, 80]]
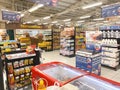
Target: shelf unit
[[8, 46], [18, 69], [79, 38], [47, 40], [56, 38], [110, 46], [67, 42]]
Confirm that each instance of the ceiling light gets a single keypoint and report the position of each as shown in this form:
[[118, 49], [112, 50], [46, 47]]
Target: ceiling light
[[83, 17], [66, 20], [35, 7], [29, 22], [4, 10], [37, 20], [54, 21], [45, 23], [22, 15], [92, 5], [105, 21], [46, 17], [97, 19], [80, 21], [24, 23]]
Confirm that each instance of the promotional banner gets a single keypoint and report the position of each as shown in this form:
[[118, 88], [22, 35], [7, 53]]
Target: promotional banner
[[11, 16], [112, 10], [93, 40], [46, 2]]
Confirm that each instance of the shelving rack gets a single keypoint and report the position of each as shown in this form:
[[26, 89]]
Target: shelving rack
[[18, 69], [110, 46], [67, 42], [47, 40], [56, 38], [8, 46], [79, 38]]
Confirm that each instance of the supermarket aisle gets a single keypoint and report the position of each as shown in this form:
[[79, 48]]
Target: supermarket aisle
[[54, 56]]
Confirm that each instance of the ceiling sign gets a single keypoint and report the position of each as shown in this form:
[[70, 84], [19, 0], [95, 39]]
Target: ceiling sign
[[112, 10], [46, 2], [10, 16]]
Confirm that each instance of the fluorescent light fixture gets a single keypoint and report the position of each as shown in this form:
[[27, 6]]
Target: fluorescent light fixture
[[92, 5], [83, 17], [98, 19], [80, 21], [66, 20], [35, 7], [47, 17], [24, 23], [105, 21], [19, 12], [45, 23], [37, 20], [54, 21], [29, 22], [4, 9], [22, 15]]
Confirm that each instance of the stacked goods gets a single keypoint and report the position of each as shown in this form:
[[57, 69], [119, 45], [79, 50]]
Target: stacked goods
[[67, 42]]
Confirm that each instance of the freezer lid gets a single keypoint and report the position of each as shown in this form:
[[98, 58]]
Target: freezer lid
[[61, 72], [92, 83]]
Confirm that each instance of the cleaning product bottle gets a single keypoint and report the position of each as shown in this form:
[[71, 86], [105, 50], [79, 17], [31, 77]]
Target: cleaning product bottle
[[41, 85]]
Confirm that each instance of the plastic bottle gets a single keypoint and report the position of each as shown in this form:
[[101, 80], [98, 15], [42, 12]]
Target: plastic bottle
[[108, 34], [112, 34], [104, 34], [117, 34], [41, 85]]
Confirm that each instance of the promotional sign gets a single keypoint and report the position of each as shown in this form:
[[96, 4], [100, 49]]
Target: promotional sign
[[11, 16], [112, 10], [93, 40], [46, 2]]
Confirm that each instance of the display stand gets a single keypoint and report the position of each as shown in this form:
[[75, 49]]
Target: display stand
[[110, 46], [18, 69], [56, 38], [67, 42], [89, 61], [79, 38]]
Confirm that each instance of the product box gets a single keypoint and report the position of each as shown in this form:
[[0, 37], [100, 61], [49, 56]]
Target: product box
[[89, 61]]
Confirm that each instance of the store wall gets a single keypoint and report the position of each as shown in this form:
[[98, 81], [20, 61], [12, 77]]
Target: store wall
[[11, 34]]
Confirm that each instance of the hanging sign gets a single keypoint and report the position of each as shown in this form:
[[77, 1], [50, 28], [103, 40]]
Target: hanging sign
[[112, 10], [46, 2], [10, 16]]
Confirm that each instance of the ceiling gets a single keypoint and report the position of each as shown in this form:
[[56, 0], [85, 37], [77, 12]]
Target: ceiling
[[65, 9]]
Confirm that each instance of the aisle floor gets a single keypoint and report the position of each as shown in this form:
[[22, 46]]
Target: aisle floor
[[55, 56]]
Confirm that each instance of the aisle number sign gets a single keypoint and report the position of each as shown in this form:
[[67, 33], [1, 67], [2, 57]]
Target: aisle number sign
[[46, 2]]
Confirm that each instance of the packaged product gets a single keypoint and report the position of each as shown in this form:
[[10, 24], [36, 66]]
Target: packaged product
[[17, 79], [10, 68], [11, 79], [26, 62], [16, 64], [27, 76], [16, 72], [22, 71], [21, 63], [27, 70], [31, 61]]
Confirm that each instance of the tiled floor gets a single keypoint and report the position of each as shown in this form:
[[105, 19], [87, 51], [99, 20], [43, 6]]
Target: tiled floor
[[54, 56]]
